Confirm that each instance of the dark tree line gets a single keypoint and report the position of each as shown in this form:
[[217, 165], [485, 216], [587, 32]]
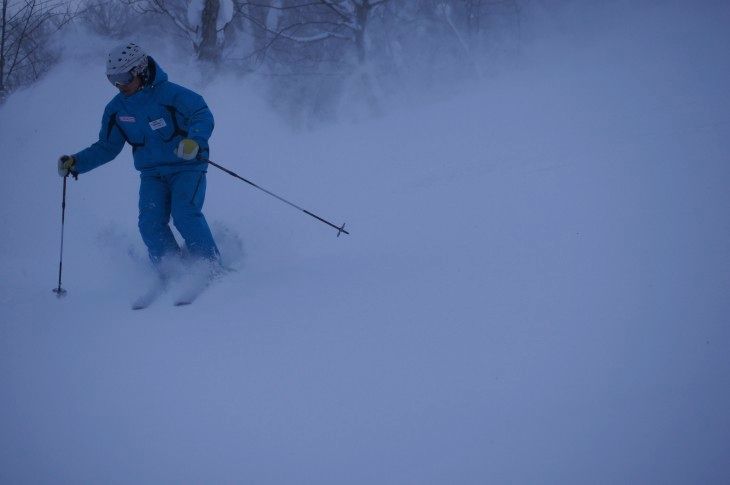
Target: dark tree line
[[312, 52]]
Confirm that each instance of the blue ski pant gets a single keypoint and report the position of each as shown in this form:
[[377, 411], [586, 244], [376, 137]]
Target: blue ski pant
[[180, 195]]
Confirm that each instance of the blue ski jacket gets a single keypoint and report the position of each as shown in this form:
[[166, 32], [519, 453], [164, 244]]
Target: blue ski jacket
[[153, 121]]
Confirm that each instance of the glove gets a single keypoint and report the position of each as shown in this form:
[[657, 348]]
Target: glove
[[187, 149], [66, 165]]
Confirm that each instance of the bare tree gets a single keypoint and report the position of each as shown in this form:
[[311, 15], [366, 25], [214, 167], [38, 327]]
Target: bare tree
[[202, 22], [321, 47], [354, 16], [109, 18], [312, 21], [25, 30]]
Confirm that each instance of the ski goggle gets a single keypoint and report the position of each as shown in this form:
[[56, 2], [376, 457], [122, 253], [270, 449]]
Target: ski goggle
[[120, 79]]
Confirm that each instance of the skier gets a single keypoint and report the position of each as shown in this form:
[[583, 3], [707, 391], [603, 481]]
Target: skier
[[168, 127]]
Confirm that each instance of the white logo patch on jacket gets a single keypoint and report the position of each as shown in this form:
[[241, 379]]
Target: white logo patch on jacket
[[127, 119], [157, 124]]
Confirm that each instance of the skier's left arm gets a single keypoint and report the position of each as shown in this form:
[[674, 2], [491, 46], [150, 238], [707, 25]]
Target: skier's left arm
[[198, 117]]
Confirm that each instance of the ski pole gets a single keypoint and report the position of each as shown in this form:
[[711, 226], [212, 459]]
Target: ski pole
[[60, 292], [340, 229]]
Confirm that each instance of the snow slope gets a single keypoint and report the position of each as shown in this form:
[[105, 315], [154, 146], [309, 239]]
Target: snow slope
[[536, 288]]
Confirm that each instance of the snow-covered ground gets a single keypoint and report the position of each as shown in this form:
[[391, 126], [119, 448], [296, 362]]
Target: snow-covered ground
[[536, 288]]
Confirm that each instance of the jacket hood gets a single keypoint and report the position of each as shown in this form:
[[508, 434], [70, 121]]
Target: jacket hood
[[156, 73]]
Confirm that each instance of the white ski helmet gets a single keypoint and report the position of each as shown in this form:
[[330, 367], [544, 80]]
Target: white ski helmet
[[124, 62]]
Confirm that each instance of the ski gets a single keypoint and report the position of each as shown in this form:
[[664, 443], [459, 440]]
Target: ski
[[188, 300], [187, 286], [198, 283], [148, 297], [192, 292]]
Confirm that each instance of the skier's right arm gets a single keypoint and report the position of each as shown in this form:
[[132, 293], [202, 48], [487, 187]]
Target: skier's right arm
[[110, 143]]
